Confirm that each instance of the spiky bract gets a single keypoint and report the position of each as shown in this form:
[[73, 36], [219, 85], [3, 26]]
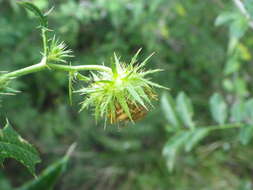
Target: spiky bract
[[4, 89]]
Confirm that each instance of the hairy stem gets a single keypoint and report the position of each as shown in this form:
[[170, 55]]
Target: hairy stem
[[27, 70], [58, 67], [69, 68], [44, 38]]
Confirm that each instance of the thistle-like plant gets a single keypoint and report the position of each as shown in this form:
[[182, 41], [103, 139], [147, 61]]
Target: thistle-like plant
[[123, 94], [58, 51], [118, 93]]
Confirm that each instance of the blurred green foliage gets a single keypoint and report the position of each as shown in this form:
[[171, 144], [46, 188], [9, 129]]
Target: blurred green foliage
[[196, 58]]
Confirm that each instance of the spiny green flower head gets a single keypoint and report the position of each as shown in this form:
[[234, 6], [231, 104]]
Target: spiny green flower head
[[125, 94], [58, 51]]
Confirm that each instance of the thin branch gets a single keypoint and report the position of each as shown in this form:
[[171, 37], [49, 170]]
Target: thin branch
[[67, 68], [243, 10], [241, 7]]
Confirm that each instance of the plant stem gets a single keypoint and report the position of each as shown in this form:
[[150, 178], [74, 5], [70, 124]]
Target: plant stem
[[227, 126], [217, 127], [27, 70], [67, 68], [239, 4], [44, 38]]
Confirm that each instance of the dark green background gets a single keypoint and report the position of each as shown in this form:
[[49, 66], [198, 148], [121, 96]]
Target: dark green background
[[190, 49]]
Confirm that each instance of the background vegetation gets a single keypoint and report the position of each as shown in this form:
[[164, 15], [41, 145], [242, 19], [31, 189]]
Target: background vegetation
[[199, 58]]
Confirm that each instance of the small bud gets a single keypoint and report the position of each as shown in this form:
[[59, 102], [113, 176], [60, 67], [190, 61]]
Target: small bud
[[58, 51]]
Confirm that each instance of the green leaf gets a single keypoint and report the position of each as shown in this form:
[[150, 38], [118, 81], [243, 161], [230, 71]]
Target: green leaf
[[249, 109], [246, 134], [50, 175], [232, 65], [12, 145], [238, 27], [195, 137], [218, 108], [224, 18], [30, 6], [238, 112], [168, 107], [174, 145], [185, 110], [241, 87]]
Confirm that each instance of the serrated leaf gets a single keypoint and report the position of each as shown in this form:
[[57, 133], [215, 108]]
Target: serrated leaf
[[12, 145], [48, 178], [168, 107], [195, 137], [246, 133], [218, 108], [185, 110], [30, 6], [174, 145]]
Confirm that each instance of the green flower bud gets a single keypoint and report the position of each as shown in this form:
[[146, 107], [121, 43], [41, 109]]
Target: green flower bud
[[125, 94], [58, 51]]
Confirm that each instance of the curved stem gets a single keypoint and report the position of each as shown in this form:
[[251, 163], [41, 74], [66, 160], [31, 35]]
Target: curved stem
[[67, 68], [27, 70]]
